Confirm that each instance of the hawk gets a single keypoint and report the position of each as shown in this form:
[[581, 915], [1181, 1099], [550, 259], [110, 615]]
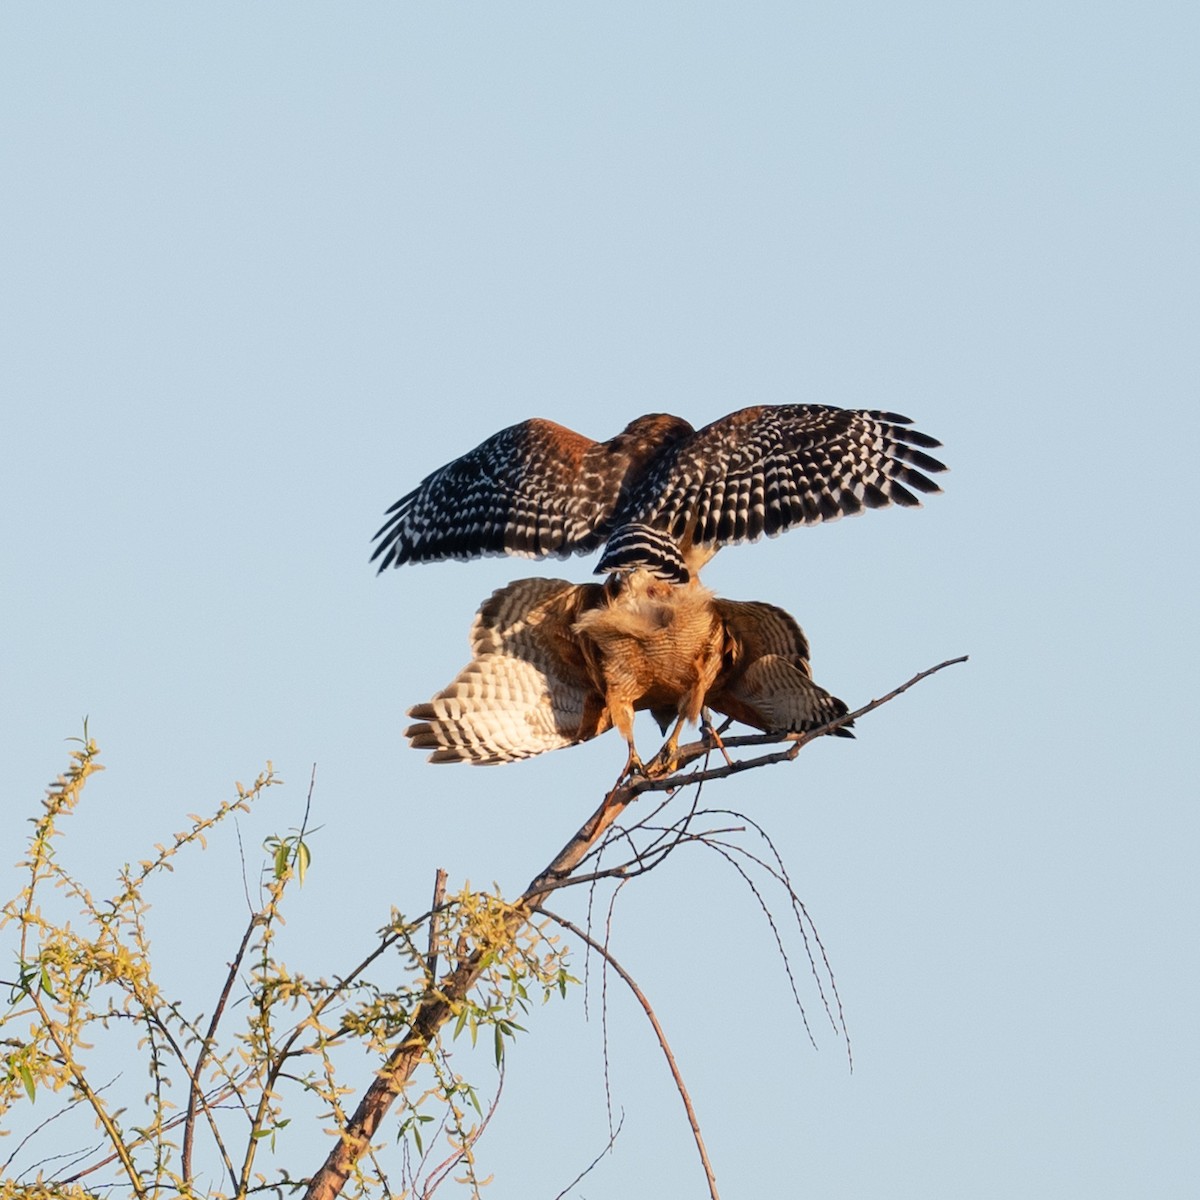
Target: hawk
[[659, 494], [557, 663]]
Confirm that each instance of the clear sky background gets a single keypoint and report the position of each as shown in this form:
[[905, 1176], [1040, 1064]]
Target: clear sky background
[[265, 266]]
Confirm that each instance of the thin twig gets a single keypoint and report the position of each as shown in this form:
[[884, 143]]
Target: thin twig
[[804, 921], [439, 895], [444, 1168], [312, 783], [612, 1138], [206, 1045], [62, 1112], [783, 954], [608, 917], [211, 1102], [658, 1032], [37, 1168]]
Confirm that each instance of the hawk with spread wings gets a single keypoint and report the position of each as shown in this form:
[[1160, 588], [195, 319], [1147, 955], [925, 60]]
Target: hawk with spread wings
[[557, 663], [659, 494]]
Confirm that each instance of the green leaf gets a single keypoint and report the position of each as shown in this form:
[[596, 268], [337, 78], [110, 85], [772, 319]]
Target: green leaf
[[303, 858], [27, 1079], [21, 986]]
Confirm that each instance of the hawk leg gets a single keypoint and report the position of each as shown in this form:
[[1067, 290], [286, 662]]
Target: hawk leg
[[622, 718], [712, 735]]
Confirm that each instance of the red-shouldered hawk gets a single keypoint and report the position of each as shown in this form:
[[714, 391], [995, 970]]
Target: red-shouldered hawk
[[557, 663], [660, 494]]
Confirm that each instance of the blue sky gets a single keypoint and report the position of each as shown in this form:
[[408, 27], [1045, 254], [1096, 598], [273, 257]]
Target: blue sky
[[266, 266]]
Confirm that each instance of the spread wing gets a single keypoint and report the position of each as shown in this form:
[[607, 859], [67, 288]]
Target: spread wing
[[766, 469], [519, 492], [669, 496]]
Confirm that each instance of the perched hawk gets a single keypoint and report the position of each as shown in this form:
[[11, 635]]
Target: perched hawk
[[660, 494], [557, 663]]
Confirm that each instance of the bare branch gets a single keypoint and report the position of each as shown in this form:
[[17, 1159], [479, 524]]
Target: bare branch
[[608, 918], [312, 783], [612, 1139], [195, 1074], [658, 1032], [439, 894]]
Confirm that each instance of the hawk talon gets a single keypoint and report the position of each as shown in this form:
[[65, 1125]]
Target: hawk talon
[[659, 767], [633, 766], [666, 760]]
